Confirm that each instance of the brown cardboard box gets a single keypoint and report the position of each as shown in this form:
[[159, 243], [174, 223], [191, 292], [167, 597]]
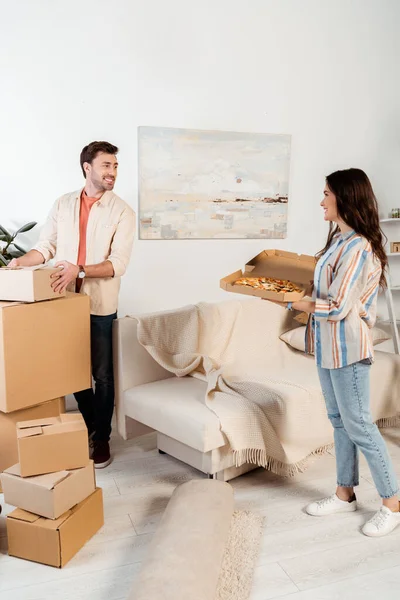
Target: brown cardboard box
[[8, 427], [44, 350], [48, 495], [297, 268], [51, 445], [51, 542], [28, 284]]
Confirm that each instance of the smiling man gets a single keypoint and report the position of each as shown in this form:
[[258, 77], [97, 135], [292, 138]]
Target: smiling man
[[90, 233]]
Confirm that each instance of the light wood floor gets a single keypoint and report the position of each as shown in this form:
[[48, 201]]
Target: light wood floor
[[302, 558]]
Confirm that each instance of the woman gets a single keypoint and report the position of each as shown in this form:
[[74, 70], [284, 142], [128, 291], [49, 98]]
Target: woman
[[349, 272]]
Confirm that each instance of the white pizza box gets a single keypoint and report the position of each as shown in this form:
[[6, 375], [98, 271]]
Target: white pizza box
[[278, 264]]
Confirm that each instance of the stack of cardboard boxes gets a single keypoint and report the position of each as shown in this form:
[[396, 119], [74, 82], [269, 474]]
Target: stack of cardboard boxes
[[44, 355], [54, 487]]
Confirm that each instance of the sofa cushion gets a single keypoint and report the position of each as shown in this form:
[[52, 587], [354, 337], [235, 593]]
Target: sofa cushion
[[296, 338], [176, 408]]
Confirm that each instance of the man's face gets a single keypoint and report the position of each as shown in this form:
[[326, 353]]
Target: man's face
[[102, 173]]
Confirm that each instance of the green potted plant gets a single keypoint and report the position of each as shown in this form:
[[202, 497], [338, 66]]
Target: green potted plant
[[10, 249]]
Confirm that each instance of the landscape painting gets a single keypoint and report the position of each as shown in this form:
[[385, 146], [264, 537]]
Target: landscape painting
[[212, 184]]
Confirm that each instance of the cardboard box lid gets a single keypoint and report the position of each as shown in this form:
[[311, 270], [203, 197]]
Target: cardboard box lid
[[298, 268], [48, 481], [50, 426]]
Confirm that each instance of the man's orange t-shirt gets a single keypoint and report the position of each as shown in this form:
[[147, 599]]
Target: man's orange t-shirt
[[86, 205]]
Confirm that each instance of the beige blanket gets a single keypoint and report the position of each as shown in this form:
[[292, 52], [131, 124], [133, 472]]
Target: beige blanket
[[267, 397]]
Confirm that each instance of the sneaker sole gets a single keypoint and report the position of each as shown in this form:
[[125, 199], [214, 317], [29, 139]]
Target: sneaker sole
[[336, 512], [103, 465]]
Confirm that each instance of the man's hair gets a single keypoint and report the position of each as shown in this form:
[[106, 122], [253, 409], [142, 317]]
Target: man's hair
[[90, 152]]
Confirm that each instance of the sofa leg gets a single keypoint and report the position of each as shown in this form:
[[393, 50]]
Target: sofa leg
[[212, 475], [161, 451]]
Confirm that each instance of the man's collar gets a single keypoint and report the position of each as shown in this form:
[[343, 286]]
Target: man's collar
[[106, 197]]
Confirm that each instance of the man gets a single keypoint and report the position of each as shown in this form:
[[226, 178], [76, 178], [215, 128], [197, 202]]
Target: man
[[90, 234]]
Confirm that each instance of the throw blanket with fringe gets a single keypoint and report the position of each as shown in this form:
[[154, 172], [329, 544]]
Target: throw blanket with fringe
[[267, 398]]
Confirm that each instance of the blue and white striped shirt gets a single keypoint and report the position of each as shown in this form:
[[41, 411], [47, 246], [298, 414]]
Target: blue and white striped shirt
[[346, 286]]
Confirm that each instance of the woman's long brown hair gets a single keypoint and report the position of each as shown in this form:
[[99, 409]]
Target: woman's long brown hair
[[358, 208]]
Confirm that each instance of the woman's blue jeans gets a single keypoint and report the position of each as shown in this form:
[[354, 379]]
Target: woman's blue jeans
[[347, 397]]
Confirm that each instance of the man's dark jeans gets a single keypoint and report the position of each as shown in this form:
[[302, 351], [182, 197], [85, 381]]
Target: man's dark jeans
[[97, 406]]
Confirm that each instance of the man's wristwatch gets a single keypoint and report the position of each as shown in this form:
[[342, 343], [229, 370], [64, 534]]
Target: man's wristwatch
[[81, 273], [289, 306]]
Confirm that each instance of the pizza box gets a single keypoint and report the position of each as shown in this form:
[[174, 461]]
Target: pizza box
[[278, 264]]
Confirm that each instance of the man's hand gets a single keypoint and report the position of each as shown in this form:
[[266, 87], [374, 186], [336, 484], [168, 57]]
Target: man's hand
[[67, 273], [14, 263]]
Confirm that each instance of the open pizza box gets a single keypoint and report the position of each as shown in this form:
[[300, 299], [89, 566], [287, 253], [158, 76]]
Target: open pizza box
[[278, 264]]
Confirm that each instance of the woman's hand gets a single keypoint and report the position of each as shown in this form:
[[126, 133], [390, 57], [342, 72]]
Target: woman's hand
[[306, 306], [283, 304], [302, 305]]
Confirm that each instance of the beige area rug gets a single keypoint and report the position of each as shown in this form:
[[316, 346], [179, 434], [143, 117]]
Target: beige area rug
[[240, 556]]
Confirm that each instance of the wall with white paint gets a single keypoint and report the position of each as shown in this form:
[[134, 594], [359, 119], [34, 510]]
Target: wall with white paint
[[325, 72]]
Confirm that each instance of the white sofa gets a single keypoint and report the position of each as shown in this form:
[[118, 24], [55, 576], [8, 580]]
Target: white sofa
[[150, 398]]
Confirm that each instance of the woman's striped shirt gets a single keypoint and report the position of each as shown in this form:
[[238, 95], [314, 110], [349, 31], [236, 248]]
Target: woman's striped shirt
[[346, 286]]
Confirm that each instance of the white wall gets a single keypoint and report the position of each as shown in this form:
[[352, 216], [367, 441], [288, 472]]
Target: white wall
[[324, 71]]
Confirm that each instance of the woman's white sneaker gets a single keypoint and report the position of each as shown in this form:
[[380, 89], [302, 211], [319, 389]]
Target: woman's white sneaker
[[331, 506], [382, 523]]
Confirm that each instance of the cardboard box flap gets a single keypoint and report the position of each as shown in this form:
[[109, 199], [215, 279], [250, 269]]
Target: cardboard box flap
[[70, 427], [38, 422], [71, 418], [34, 268], [48, 481], [14, 470], [54, 524], [4, 304], [23, 515], [24, 433]]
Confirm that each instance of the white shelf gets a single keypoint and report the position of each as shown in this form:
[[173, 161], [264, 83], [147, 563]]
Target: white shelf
[[389, 220], [393, 254]]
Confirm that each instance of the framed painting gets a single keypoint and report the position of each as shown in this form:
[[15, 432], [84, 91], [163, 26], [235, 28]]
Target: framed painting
[[212, 184]]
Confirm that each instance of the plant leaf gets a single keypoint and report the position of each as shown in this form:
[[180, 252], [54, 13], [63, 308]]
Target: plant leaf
[[19, 248], [4, 238], [3, 261], [25, 228], [4, 230], [15, 253]]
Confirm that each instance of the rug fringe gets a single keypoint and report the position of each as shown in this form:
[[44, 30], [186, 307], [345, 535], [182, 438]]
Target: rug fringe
[[388, 421], [259, 457]]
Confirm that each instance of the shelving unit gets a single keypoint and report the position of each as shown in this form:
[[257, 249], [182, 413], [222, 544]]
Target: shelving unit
[[389, 298]]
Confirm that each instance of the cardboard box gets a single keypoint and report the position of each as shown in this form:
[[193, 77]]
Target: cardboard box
[[48, 495], [8, 428], [28, 284], [51, 445], [44, 350], [297, 268], [54, 542]]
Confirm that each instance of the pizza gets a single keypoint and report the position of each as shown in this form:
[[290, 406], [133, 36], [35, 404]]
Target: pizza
[[269, 284]]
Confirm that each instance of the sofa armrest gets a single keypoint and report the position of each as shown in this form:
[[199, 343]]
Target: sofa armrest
[[133, 366]]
